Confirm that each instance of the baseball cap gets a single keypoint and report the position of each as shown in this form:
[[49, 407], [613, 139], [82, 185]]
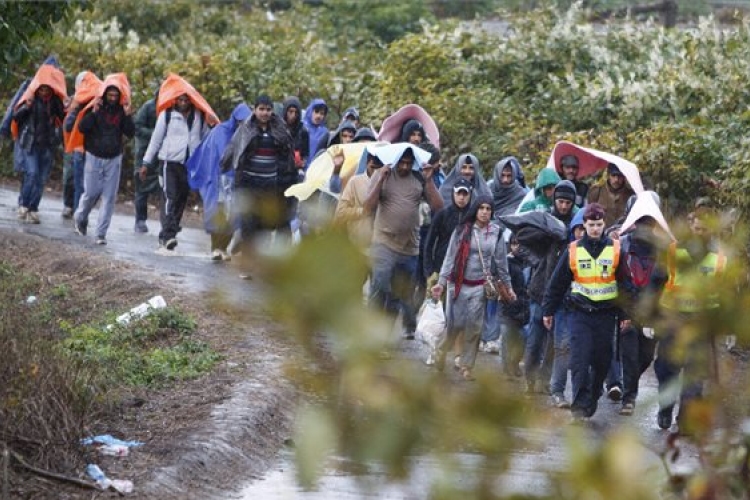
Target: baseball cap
[[462, 185]]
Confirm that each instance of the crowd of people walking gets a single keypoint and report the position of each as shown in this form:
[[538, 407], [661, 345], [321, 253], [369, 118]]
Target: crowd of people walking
[[565, 277]]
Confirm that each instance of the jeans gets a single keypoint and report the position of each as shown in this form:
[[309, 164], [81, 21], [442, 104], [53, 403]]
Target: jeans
[[393, 282], [37, 164], [76, 164], [492, 322], [536, 343], [561, 360]]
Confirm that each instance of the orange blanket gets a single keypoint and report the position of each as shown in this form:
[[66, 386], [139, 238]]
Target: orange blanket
[[175, 86], [87, 90], [119, 80], [45, 75]]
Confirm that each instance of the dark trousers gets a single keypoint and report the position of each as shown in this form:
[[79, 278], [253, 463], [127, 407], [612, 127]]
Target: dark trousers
[[176, 191], [143, 189], [591, 343], [68, 182], [637, 353], [536, 346]]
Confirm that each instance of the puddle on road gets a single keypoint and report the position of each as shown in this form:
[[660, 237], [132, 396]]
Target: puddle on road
[[338, 481]]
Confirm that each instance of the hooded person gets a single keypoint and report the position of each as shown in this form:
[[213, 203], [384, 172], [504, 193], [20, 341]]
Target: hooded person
[[545, 186], [507, 193], [467, 167], [413, 132], [344, 134], [365, 134], [442, 226], [104, 123], [215, 188], [87, 87], [475, 252], [36, 127], [351, 114], [563, 201], [291, 113], [315, 123]]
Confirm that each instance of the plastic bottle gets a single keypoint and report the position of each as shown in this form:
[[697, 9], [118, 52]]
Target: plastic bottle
[[97, 475], [141, 310]]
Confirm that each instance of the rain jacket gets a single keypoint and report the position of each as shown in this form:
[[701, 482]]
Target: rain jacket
[[614, 202], [204, 173], [316, 132], [546, 177], [299, 132]]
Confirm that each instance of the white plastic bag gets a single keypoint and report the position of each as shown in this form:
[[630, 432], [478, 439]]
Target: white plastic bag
[[430, 326]]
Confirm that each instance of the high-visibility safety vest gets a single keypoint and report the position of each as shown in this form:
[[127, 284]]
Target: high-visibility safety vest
[[690, 293], [594, 278]]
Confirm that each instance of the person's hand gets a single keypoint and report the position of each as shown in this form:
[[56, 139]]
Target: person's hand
[[615, 235], [384, 173], [512, 295], [143, 172], [624, 325], [128, 108], [427, 171], [547, 320], [437, 291], [97, 104], [337, 154]]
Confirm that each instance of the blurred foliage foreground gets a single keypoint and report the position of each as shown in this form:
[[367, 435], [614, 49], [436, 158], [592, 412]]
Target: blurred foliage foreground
[[381, 411]]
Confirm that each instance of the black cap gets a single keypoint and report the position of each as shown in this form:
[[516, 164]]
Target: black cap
[[263, 99], [463, 185]]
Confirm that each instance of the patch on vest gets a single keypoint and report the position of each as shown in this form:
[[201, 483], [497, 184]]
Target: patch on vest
[[606, 262], [585, 264]]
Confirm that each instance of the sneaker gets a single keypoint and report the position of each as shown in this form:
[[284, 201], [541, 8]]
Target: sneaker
[[627, 409], [80, 227], [33, 217], [171, 243], [482, 346], [225, 256], [559, 401], [140, 226], [664, 418], [216, 255], [67, 213], [492, 347], [409, 335], [614, 393], [23, 213], [101, 240]]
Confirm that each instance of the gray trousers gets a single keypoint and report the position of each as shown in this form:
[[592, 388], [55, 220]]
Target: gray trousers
[[464, 314], [101, 179]]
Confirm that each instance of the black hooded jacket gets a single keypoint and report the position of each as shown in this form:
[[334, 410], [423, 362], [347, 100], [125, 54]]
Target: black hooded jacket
[[300, 136], [103, 130]]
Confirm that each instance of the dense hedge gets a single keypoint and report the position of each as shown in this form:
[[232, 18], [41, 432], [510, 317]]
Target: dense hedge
[[674, 102]]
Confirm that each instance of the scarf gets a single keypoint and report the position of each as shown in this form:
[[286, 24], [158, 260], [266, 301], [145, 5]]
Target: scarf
[[462, 257]]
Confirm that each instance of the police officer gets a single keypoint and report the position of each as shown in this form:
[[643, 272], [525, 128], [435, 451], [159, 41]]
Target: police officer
[[689, 296], [589, 269]]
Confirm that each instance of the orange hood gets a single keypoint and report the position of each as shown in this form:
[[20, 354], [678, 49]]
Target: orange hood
[[119, 80], [175, 86], [47, 74], [86, 91]]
